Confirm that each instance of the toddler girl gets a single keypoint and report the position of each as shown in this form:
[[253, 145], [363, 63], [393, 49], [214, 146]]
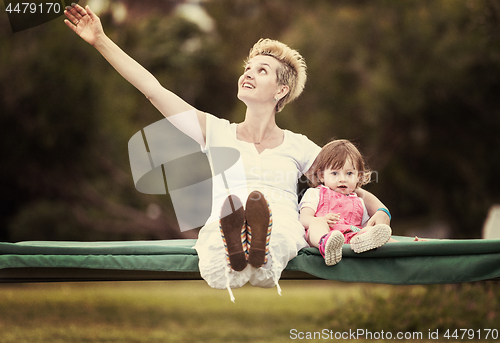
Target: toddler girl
[[331, 212]]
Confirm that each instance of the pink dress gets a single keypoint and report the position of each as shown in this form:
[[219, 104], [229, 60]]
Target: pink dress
[[350, 207]]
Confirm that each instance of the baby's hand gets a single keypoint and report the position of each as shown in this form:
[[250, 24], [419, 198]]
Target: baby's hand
[[332, 218]]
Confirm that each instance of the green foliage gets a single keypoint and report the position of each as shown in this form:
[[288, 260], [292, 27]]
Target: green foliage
[[69, 117], [48, 219], [46, 131], [414, 83]]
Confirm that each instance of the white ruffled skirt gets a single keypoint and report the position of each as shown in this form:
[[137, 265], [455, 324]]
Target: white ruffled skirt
[[287, 238]]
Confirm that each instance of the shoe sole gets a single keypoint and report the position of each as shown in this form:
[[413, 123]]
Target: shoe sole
[[333, 248], [259, 226], [232, 224], [375, 238]]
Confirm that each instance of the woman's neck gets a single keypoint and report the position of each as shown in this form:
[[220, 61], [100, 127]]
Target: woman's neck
[[258, 126], [261, 130]]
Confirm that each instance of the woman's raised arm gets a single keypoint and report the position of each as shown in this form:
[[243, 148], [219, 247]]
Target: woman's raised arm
[[86, 24]]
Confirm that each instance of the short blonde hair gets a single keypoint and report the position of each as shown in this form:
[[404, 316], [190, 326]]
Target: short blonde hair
[[292, 70], [334, 155]]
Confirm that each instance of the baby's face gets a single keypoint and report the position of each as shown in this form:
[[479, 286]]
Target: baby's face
[[342, 180]]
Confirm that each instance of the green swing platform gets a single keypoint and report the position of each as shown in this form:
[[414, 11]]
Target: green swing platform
[[402, 263]]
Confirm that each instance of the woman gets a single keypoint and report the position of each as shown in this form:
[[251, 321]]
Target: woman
[[271, 160]]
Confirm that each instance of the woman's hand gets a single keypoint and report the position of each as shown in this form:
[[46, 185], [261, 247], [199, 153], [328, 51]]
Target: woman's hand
[[84, 23]]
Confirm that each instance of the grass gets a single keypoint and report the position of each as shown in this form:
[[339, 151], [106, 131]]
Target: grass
[[191, 311]]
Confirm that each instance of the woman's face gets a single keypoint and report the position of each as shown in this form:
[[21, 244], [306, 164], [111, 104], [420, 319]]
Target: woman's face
[[258, 84]]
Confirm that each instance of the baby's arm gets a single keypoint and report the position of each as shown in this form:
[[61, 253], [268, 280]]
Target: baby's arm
[[373, 204], [306, 216]]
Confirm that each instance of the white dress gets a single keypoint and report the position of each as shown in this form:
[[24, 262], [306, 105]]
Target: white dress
[[275, 173]]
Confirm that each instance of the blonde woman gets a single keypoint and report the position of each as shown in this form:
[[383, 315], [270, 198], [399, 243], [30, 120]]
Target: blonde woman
[[239, 243]]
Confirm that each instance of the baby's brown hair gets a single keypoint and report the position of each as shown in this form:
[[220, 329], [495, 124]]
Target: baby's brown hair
[[334, 155]]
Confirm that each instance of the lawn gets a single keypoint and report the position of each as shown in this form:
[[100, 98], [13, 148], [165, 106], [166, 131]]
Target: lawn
[[190, 311]]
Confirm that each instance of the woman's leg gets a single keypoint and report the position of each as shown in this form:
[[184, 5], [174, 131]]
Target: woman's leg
[[259, 222], [233, 231]]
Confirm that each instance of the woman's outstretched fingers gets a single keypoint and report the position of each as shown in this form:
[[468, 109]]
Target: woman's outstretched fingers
[[69, 23], [88, 11], [75, 13], [69, 14], [80, 11], [84, 23]]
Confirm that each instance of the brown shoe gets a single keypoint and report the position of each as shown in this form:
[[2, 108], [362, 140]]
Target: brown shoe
[[259, 224], [233, 230]]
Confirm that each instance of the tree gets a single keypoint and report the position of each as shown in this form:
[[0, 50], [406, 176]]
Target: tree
[[65, 169], [414, 84]]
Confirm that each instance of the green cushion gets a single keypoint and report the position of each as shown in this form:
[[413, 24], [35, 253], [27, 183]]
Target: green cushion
[[404, 263]]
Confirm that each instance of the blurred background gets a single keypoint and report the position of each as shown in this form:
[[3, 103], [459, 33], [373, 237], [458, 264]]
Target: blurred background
[[415, 84]]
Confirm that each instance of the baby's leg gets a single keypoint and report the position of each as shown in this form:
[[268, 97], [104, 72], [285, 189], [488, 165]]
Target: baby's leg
[[371, 237], [329, 242], [368, 228], [317, 229], [330, 247]]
